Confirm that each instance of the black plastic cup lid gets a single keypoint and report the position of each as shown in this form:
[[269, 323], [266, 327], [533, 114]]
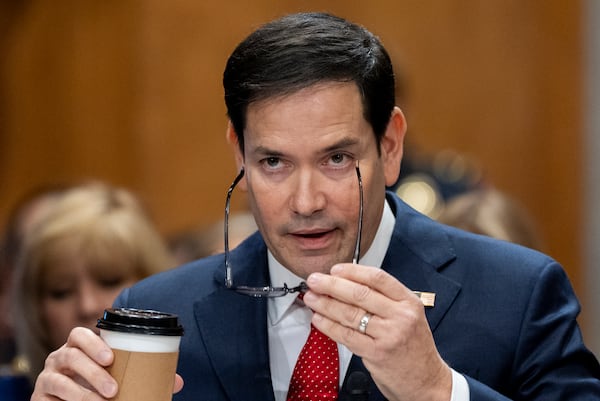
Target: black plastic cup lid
[[140, 321]]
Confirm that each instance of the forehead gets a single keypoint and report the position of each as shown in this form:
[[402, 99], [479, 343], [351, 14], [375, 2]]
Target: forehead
[[321, 113]]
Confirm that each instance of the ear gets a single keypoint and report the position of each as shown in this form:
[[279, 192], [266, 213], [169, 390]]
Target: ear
[[233, 141], [392, 146]]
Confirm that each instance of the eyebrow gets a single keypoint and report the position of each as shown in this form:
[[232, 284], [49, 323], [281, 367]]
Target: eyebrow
[[266, 151], [341, 144]]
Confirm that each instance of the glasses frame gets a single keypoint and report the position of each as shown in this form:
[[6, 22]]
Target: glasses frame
[[268, 291]]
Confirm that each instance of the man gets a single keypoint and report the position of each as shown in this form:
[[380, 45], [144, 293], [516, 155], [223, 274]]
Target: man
[[316, 134]]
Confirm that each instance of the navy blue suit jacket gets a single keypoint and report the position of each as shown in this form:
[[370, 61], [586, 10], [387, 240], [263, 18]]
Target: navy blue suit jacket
[[504, 316]]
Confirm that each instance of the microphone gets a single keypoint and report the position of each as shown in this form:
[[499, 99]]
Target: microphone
[[358, 386]]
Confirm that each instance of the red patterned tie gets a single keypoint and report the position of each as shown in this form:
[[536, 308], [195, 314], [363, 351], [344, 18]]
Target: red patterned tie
[[317, 371]]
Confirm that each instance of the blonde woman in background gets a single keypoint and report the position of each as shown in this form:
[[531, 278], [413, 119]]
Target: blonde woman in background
[[94, 241], [22, 217]]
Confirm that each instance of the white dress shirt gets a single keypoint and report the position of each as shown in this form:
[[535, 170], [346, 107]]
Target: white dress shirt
[[289, 320]]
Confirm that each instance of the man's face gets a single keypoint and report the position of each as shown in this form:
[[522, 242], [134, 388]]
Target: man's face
[[300, 157]]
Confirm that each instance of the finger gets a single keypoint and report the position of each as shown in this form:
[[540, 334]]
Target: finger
[[375, 278], [75, 365], [341, 312], [351, 316], [178, 385], [356, 342], [83, 358], [51, 386], [383, 282], [359, 295], [91, 345]]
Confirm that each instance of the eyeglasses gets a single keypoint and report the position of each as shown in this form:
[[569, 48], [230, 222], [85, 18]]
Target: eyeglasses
[[272, 292]]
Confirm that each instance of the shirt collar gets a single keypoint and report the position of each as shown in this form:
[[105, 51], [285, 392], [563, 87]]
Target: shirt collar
[[277, 307]]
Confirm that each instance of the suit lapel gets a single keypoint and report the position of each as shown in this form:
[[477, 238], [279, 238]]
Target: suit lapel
[[418, 253], [418, 276], [234, 324]]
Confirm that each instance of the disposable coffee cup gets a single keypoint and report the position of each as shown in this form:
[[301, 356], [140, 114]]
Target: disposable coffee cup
[[146, 348]]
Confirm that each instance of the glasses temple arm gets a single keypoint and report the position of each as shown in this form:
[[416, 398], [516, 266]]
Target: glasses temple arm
[[228, 274], [360, 217]]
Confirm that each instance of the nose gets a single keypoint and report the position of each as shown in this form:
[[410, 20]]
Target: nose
[[307, 196], [91, 303]]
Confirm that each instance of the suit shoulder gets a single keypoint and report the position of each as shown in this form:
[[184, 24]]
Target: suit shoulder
[[183, 282]]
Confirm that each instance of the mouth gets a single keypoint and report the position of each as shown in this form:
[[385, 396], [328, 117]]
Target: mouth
[[313, 239]]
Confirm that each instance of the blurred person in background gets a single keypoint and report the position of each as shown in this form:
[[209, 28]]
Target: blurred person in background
[[205, 241], [23, 216], [14, 384], [89, 244], [490, 212]]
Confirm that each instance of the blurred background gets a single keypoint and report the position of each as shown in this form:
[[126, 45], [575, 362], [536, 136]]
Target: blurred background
[[502, 92]]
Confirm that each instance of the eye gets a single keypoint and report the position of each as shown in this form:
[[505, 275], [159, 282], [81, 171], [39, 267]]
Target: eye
[[339, 160], [59, 294], [111, 282], [272, 161]]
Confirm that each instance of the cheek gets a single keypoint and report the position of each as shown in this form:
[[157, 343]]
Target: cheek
[[374, 195], [53, 310], [108, 296], [104, 297], [266, 207], [58, 318]]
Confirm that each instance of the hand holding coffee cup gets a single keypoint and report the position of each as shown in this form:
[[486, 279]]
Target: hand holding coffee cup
[[146, 347]]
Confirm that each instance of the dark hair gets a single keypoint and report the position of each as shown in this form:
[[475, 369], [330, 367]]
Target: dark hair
[[300, 50]]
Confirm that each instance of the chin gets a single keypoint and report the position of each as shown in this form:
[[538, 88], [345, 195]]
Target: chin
[[313, 265]]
